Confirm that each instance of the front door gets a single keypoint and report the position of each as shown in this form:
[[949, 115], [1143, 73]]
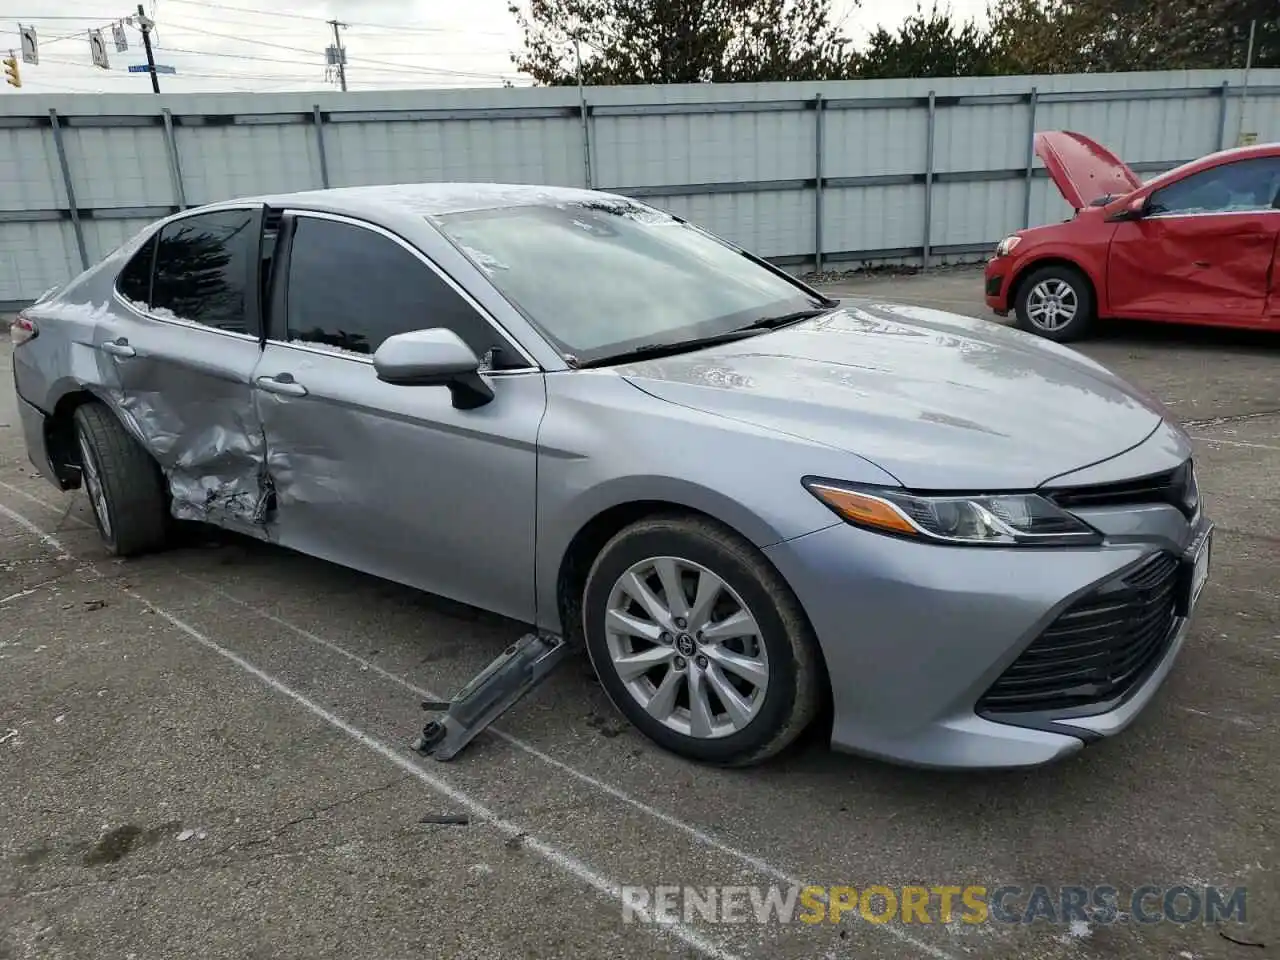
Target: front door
[[394, 480], [186, 349], [1204, 249]]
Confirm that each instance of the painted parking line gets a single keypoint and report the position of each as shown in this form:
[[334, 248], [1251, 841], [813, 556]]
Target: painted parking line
[[703, 838], [557, 858], [1238, 443]]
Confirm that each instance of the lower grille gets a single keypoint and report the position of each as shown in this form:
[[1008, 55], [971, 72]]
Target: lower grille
[[1098, 649], [993, 286]]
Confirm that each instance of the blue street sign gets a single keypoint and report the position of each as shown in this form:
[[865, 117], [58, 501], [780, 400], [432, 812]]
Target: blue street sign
[[143, 68]]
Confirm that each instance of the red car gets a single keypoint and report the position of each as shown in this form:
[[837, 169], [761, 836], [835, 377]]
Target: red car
[[1199, 244]]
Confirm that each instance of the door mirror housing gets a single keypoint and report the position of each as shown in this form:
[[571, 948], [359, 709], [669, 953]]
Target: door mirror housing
[[435, 357], [1134, 209]]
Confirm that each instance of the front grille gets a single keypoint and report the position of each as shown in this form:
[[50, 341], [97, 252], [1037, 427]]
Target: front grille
[[1098, 649], [1177, 487]]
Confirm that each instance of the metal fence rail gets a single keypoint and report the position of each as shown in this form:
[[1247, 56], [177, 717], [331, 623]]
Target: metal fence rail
[[825, 166]]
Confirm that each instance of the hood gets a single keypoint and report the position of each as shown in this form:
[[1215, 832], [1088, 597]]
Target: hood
[[940, 401], [1082, 169]]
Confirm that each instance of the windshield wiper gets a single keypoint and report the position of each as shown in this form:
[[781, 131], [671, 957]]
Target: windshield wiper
[[773, 323], [651, 351]]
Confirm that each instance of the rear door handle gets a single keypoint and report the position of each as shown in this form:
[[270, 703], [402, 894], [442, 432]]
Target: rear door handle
[[1202, 263], [119, 348], [283, 384]]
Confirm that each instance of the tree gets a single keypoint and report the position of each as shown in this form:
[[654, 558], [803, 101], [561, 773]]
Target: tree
[[928, 45], [1085, 36], [679, 41]]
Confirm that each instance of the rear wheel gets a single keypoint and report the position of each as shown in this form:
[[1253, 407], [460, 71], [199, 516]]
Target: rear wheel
[[125, 487], [1055, 302], [699, 642]]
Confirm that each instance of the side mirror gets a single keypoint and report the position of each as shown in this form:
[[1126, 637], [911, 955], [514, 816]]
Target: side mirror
[[435, 357], [1134, 209]]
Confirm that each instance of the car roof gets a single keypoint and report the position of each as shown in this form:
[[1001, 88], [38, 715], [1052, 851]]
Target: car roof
[[430, 199]]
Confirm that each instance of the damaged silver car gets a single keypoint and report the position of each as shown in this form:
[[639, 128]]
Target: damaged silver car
[[975, 547]]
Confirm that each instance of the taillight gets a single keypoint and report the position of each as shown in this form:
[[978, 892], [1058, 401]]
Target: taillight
[[22, 329]]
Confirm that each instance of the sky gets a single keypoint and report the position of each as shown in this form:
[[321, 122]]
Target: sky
[[225, 45]]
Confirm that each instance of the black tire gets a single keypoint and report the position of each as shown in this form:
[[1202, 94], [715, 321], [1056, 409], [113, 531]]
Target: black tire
[[132, 514], [796, 682], [1080, 290]]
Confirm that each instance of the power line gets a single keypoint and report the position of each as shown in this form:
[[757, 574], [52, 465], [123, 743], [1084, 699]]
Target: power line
[[361, 60], [315, 19]]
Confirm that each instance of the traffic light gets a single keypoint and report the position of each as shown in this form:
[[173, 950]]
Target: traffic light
[[11, 74]]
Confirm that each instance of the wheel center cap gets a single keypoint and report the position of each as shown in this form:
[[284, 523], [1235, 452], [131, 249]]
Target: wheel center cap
[[685, 645]]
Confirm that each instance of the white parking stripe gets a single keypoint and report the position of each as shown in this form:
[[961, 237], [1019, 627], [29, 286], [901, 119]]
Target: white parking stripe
[[764, 867], [1237, 443], [701, 836], [557, 858]]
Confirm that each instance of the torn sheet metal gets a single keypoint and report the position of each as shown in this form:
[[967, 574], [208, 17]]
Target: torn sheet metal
[[206, 437]]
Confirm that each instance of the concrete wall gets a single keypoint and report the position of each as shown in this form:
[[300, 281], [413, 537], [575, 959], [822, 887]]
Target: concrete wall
[[856, 171]]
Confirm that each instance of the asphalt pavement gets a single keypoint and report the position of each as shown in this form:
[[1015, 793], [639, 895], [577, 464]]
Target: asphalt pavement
[[206, 753]]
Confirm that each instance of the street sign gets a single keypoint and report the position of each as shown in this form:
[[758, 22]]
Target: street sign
[[120, 38], [98, 49], [143, 68], [30, 46]]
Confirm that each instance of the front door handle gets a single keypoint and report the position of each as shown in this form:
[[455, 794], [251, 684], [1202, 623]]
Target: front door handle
[[283, 384], [1202, 263], [119, 348]]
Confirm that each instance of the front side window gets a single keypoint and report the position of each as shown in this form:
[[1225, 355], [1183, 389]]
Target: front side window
[[1240, 187], [206, 268], [603, 276], [350, 288]]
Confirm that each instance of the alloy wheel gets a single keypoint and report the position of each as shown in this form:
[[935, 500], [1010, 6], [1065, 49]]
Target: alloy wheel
[[93, 485], [686, 647], [1052, 304]]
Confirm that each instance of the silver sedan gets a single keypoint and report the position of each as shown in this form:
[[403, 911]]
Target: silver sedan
[[956, 544]]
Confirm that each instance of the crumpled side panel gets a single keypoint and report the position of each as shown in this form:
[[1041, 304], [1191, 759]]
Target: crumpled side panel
[[211, 449]]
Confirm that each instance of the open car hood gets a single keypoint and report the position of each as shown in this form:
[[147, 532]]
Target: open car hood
[[1082, 169]]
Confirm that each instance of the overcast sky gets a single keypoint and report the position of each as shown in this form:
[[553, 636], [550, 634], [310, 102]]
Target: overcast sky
[[223, 45]]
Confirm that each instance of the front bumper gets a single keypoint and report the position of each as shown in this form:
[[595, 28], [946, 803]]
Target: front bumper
[[914, 634], [995, 284]]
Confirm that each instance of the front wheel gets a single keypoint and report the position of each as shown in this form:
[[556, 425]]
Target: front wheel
[[699, 642], [1055, 302]]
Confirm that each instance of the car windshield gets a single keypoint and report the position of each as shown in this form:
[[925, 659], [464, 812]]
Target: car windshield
[[601, 278]]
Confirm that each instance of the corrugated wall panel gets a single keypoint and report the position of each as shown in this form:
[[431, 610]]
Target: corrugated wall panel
[[703, 148], [125, 165], [219, 163], [872, 218], [980, 137], [118, 166], [30, 178], [517, 151], [966, 213], [861, 143], [35, 257]]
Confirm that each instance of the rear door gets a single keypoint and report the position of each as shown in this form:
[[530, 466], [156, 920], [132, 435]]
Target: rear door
[[186, 345], [1204, 249], [389, 479]]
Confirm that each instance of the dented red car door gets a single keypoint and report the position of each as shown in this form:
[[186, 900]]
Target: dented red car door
[[1194, 266]]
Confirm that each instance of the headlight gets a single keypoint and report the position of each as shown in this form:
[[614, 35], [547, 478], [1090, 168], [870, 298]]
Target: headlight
[[1007, 245], [1016, 519]]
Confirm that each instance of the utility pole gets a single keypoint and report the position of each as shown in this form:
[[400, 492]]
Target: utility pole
[[1244, 94], [339, 54], [145, 25]]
